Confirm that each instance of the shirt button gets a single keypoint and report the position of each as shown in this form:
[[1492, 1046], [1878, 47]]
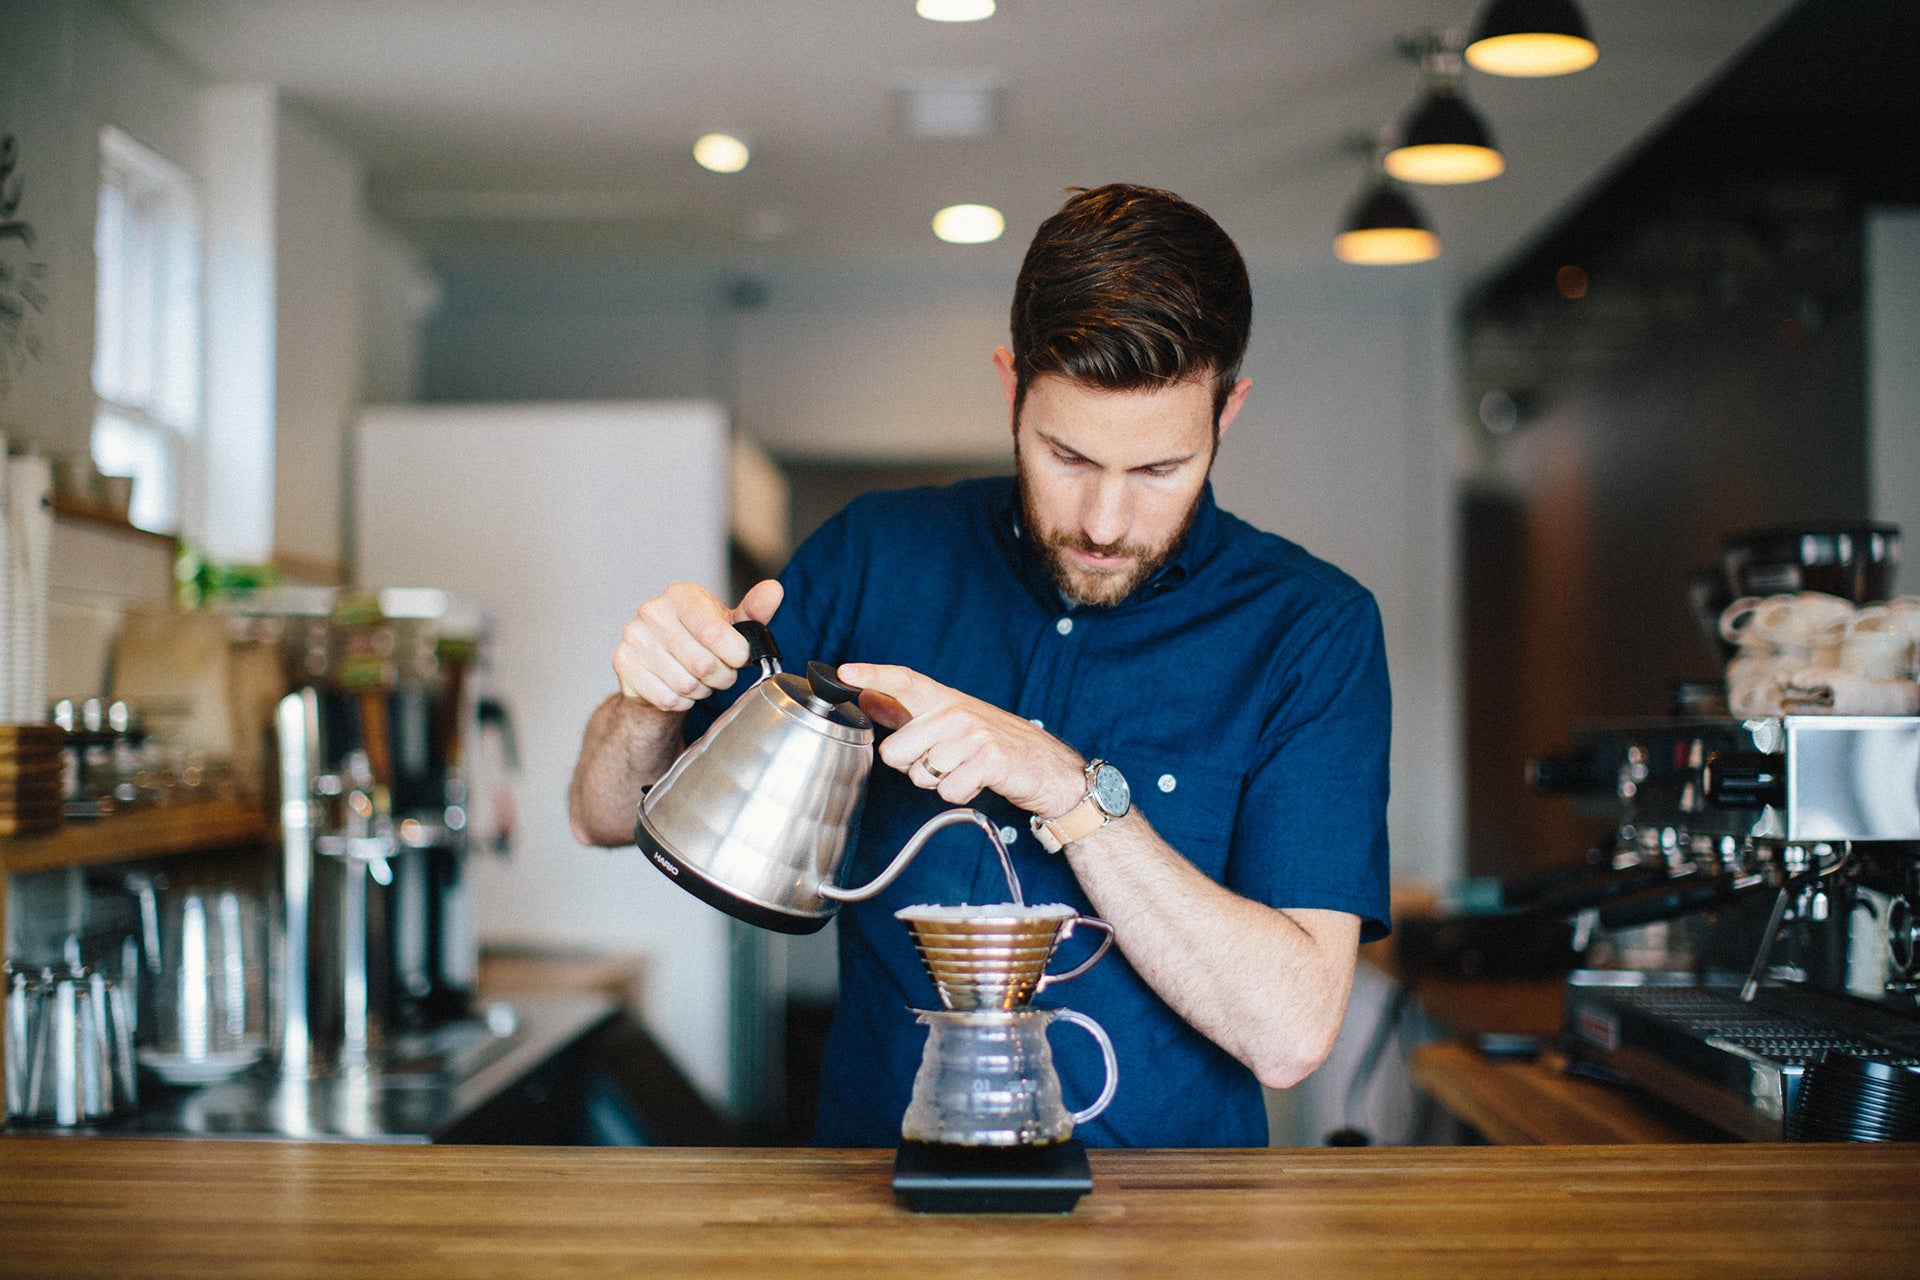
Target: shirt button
[[1009, 834], [1037, 723], [1168, 782], [1063, 626]]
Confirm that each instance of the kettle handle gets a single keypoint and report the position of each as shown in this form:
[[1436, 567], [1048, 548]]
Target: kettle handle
[[920, 837], [760, 646]]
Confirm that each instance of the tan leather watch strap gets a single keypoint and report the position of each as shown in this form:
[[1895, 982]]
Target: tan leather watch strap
[[1076, 823]]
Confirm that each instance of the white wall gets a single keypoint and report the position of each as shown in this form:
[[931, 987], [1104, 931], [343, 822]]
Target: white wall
[[559, 520], [1892, 272], [67, 68], [320, 244], [1344, 446], [285, 243], [241, 207]]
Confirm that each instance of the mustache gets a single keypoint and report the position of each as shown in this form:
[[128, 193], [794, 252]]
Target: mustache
[[1079, 541]]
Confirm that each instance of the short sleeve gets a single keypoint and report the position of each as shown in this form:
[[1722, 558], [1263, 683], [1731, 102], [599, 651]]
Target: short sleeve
[[1312, 824]]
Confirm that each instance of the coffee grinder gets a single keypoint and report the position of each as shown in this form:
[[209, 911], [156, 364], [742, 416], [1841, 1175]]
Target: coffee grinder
[[381, 955]]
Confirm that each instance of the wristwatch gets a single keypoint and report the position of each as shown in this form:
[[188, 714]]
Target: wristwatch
[[1108, 797]]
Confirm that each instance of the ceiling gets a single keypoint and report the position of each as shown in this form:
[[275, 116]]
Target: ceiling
[[524, 126]]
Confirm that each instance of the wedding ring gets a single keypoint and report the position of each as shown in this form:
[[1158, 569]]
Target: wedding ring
[[935, 774]]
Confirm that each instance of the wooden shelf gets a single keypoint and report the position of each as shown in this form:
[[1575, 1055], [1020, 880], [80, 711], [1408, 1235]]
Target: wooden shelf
[[109, 519], [144, 833]]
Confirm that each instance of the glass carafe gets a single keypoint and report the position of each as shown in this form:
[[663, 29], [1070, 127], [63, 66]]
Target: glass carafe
[[986, 1079]]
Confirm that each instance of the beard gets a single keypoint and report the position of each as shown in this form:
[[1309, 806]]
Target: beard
[[1095, 586]]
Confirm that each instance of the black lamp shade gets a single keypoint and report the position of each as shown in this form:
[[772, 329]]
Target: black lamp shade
[[1531, 38], [1442, 119], [1444, 141], [1385, 228], [1384, 207]]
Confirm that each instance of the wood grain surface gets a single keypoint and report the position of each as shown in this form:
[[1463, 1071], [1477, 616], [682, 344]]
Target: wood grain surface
[[140, 833], [1536, 1102], [106, 1207]]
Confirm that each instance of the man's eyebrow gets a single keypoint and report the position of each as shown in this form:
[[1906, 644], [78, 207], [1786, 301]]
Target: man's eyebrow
[[1064, 447]]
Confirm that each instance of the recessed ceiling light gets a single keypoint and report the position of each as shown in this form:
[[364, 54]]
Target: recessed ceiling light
[[968, 224], [953, 10], [721, 152]]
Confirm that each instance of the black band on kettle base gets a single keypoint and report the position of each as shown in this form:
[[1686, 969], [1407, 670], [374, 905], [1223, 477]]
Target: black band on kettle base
[[715, 895]]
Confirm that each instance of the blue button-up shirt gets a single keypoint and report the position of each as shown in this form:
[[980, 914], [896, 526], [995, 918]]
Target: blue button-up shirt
[[1242, 690]]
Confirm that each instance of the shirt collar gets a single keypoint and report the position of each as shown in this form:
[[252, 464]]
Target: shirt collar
[[1202, 537]]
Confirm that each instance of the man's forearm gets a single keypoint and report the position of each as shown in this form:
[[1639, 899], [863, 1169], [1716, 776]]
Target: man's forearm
[[1268, 986], [628, 745]]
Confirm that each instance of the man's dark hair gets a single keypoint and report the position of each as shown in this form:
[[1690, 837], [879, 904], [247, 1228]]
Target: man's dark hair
[[1129, 287]]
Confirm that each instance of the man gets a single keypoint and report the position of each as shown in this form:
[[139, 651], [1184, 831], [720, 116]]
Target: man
[[1031, 641]]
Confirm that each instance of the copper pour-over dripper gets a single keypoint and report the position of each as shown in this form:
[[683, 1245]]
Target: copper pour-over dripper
[[995, 956]]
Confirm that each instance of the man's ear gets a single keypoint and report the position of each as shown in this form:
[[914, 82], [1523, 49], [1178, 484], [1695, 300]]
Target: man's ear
[[1009, 380], [1231, 409]]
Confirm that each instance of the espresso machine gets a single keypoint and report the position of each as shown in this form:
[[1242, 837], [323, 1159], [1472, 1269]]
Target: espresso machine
[[1780, 858], [1749, 930]]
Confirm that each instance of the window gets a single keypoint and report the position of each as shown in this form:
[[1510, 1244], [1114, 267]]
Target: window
[[146, 356]]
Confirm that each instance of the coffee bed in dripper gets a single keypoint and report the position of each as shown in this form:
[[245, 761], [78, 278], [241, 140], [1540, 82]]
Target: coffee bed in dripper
[[987, 1130]]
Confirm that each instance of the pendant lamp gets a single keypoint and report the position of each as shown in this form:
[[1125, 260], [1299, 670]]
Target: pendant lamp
[[1532, 38], [1443, 140], [1385, 229]]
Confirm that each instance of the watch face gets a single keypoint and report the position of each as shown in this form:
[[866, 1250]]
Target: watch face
[[1110, 791]]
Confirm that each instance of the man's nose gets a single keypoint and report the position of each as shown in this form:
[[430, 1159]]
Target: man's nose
[[1108, 512]]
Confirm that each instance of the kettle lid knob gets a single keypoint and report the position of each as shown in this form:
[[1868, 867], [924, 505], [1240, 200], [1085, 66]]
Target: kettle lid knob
[[825, 684]]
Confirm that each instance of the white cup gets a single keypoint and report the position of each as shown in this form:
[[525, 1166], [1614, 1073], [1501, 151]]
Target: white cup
[[1878, 652]]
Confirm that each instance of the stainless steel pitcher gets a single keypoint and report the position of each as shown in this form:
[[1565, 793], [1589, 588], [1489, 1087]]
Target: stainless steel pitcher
[[754, 818]]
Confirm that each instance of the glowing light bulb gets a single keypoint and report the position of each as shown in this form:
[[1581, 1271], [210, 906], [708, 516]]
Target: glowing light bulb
[[954, 10], [721, 153], [968, 224]]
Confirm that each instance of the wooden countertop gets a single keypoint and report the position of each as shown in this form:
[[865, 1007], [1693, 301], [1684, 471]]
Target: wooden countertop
[[1537, 1102], [125, 1207]]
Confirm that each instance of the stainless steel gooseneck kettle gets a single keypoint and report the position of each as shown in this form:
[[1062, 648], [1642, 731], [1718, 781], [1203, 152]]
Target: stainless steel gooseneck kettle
[[754, 817]]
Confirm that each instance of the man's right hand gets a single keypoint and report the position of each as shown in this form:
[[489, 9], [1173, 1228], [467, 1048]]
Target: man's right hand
[[681, 645]]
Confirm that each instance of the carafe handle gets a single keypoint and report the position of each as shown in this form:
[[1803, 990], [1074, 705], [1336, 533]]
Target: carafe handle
[[1107, 1059], [919, 838], [1092, 922]]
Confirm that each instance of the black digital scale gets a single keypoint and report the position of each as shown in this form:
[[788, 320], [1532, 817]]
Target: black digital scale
[[946, 1179]]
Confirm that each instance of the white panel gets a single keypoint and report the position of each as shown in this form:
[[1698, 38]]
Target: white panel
[[561, 519], [319, 242], [238, 444]]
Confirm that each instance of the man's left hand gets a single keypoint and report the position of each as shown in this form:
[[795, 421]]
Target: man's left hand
[[959, 746]]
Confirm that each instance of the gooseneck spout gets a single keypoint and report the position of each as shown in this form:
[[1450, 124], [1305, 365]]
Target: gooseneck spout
[[900, 860]]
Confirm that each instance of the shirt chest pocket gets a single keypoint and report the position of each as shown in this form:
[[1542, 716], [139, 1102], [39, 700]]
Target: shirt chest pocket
[[1191, 802]]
